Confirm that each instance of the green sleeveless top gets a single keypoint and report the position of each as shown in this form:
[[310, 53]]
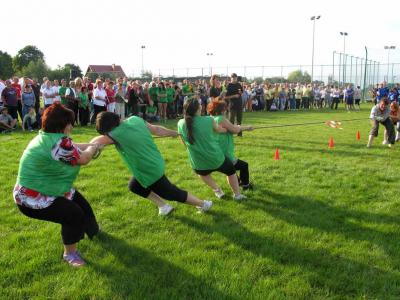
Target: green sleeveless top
[[39, 171], [205, 153], [225, 141], [135, 145]]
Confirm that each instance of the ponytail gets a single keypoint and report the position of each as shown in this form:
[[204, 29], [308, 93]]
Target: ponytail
[[190, 107]]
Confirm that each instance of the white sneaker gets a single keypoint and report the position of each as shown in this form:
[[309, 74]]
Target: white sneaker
[[239, 197], [219, 193], [206, 206], [385, 143], [165, 210]]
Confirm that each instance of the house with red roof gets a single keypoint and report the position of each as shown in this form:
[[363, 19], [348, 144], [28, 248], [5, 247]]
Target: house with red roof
[[113, 70]]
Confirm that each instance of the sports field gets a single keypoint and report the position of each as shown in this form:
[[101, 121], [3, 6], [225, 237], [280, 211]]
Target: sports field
[[320, 224]]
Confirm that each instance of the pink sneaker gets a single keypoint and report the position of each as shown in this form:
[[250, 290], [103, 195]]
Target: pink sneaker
[[74, 259]]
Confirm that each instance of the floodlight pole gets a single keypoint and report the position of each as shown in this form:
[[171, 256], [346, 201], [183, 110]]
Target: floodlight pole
[[313, 18]]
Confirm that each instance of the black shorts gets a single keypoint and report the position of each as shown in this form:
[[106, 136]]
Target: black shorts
[[162, 187], [227, 168]]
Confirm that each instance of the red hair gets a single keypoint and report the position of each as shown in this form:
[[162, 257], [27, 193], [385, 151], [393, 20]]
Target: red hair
[[56, 117], [216, 107]]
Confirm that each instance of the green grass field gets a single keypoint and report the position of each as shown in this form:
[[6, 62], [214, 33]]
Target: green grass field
[[320, 224]]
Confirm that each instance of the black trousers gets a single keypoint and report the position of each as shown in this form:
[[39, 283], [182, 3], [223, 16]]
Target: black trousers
[[83, 116], [96, 110], [243, 168], [335, 102], [75, 216], [74, 107], [162, 187], [235, 112]]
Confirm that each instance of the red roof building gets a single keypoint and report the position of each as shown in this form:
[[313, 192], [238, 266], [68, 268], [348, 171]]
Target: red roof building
[[113, 69]]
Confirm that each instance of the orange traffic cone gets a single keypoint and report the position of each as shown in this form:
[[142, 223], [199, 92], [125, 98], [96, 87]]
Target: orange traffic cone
[[331, 143], [358, 136], [276, 154]]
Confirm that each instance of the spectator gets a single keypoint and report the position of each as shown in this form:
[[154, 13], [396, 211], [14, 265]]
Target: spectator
[[15, 84], [335, 97], [48, 93], [62, 91], [380, 114], [83, 106], [299, 94], [56, 91], [2, 87], [120, 101], [162, 101], [349, 92], [71, 95], [233, 96], [10, 100], [357, 96], [36, 90], [28, 100], [110, 96], [291, 94], [99, 100], [7, 122], [30, 121]]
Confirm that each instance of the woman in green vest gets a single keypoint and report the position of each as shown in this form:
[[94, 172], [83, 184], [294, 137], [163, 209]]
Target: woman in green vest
[[134, 142], [200, 135], [48, 167], [217, 109]]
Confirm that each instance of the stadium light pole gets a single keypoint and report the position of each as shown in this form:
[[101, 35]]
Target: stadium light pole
[[388, 48], [142, 47], [313, 18], [209, 55], [344, 34]]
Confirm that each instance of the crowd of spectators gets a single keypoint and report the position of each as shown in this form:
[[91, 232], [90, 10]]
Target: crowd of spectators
[[160, 100]]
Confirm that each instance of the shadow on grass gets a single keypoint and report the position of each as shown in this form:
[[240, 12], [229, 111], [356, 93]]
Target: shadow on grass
[[141, 275], [342, 277], [306, 212]]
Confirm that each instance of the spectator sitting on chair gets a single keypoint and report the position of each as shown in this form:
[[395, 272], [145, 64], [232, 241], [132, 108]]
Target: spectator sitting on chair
[[7, 123]]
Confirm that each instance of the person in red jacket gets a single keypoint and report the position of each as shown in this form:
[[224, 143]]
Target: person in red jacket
[[110, 97]]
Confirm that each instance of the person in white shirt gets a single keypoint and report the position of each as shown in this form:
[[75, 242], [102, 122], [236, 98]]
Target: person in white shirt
[[99, 99], [357, 96], [2, 87], [48, 93], [56, 88]]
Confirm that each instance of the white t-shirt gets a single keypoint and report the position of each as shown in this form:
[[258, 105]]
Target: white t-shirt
[[99, 93], [48, 95], [56, 89], [2, 87]]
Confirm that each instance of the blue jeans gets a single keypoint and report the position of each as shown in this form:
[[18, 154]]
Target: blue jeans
[[25, 109]]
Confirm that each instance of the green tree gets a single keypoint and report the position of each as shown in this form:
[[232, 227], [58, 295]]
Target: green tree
[[74, 70], [35, 69], [299, 76], [25, 56], [6, 68]]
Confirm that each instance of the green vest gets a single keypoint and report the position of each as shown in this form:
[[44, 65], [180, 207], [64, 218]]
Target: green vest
[[225, 141], [205, 153], [153, 93], [61, 91], [136, 146], [170, 94], [38, 170]]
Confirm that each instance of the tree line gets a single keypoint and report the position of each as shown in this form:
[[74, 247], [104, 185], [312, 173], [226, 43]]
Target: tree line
[[30, 62]]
